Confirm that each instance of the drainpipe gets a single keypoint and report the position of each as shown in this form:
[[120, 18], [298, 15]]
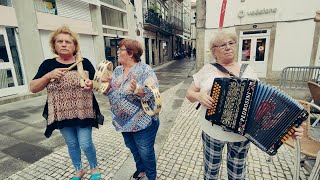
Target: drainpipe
[[316, 38]]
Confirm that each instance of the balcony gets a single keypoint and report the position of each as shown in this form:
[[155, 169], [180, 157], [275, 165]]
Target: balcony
[[152, 22], [177, 23]]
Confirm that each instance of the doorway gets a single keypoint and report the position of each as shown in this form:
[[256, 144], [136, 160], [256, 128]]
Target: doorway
[[254, 50], [146, 45], [11, 76]]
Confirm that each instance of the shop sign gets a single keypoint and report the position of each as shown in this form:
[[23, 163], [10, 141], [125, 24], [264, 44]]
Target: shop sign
[[262, 11], [257, 12]]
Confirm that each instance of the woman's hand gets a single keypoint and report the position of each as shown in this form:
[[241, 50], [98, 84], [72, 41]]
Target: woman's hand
[[88, 84], [299, 131], [106, 79], [133, 86], [56, 73], [205, 99]]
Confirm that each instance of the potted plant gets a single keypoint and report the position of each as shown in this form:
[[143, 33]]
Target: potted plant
[[153, 8]]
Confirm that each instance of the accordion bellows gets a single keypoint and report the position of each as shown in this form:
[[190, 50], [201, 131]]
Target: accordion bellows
[[260, 112]]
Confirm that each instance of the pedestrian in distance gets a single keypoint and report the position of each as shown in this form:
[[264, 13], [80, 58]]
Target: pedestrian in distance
[[194, 52], [223, 49], [70, 108], [127, 88]]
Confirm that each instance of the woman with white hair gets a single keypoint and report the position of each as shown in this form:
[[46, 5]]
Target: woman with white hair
[[223, 49]]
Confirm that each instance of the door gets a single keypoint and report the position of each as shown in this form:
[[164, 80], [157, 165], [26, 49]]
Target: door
[[9, 67], [254, 50], [146, 45]]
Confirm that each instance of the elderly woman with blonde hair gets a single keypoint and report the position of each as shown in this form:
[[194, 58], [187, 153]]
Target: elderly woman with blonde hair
[[223, 49], [70, 107]]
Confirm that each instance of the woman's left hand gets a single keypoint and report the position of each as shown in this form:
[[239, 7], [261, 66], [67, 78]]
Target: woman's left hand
[[299, 131], [133, 85], [88, 84]]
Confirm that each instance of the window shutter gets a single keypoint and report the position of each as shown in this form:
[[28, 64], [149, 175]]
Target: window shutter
[[75, 9]]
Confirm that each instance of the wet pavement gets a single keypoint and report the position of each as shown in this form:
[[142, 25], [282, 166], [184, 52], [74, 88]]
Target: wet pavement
[[26, 154]]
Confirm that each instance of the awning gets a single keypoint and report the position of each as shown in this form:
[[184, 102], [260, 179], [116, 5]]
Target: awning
[[95, 2], [182, 37]]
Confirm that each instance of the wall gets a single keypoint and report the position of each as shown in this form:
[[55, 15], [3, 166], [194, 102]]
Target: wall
[[293, 44], [287, 10], [9, 13], [51, 22]]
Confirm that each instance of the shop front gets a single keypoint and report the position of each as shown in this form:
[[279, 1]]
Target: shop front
[[254, 49], [12, 79]]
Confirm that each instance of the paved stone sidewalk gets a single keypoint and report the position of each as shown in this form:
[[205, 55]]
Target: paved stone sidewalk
[[111, 151], [178, 157], [181, 156]]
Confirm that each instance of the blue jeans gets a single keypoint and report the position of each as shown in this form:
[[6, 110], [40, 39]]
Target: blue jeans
[[141, 145], [76, 138]]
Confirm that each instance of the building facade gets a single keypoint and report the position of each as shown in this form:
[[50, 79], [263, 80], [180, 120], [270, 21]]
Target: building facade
[[193, 30], [271, 34], [25, 27]]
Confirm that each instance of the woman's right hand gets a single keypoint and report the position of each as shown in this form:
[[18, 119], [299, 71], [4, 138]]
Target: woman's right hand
[[56, 73], [205, 99], [106, 79]]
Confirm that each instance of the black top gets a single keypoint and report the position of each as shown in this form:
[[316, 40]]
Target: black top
[[51, 64]]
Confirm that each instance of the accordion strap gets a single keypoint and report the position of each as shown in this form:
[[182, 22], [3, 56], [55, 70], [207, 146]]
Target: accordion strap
[[224, 70], [242, 69]]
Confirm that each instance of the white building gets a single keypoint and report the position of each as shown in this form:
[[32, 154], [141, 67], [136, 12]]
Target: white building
[[193, 30], [25, 26], [272, 34]]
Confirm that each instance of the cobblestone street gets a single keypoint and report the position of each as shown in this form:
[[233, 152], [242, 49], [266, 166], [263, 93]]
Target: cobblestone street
[[179, 158], [178, 147]]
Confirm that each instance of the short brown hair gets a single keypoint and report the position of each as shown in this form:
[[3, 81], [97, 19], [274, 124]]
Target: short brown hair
[[133, 47], [64, 29]]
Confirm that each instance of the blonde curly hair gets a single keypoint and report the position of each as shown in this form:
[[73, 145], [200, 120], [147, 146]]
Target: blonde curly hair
[[220, 37], [64, 29]]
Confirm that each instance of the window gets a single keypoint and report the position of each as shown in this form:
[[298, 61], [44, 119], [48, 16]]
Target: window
[[15, 55], [46, 6], [111, 17], [132, 2], [5, 2], [117, 3]]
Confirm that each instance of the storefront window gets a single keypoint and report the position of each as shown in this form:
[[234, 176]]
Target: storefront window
[[3, 51], [6, 79], [5, 3], [260, 49], [46, 6], [246, 46], [15, 55], [111, 47]]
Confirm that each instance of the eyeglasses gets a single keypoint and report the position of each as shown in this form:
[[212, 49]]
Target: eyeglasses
[[122, 49], [224, 46]]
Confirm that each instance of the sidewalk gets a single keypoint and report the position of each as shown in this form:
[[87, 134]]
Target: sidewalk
[[178, 144], [179, 155]]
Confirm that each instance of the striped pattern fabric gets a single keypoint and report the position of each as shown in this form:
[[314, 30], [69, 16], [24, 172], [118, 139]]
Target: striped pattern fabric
[[236, 158]]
